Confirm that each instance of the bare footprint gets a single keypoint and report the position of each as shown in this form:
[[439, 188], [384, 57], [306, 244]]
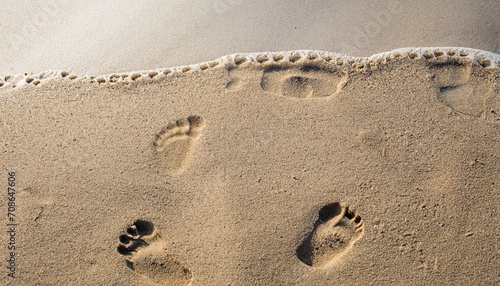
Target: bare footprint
[[303, 82], [145, 254], [174, 143], [458, 91], [335, 232]]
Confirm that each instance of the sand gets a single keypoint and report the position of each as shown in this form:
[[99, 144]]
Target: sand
[[292, 168], [171, 143]]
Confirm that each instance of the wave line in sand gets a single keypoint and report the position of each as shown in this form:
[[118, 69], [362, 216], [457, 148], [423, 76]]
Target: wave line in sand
[[273, 60]]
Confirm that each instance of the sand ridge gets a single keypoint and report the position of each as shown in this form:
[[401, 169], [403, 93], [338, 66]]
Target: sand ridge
[[296, 168]]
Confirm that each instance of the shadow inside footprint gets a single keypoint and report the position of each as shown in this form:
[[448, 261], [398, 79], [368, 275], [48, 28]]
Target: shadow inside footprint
[[145, 254], [335, 231], [133, 239]]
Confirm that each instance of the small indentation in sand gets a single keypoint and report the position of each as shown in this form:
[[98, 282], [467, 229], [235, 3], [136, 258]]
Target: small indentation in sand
[[312, 56], [277, 57], [438, 53], [335, 232], [428, 55], [239, 60], [294, 57], [145, 254], [327, 58], [174, 144], [135, 76], [262, 58]]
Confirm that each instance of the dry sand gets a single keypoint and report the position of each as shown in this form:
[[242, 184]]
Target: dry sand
[[283, 168], [302, 168]]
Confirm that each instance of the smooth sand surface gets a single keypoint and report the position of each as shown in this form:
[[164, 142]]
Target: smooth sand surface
[[100, 37], [298, 168]]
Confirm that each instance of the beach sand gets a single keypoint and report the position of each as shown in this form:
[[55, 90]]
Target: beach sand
[[293, 168], [171, 143]]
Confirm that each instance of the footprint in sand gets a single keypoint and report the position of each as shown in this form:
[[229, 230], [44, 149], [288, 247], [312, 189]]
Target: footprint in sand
[[174, 144], [145, 254], [335, 232], [457, 91], [305, 82]]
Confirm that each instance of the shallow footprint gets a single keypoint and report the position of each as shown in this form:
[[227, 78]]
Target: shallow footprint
[[458, 91], [145, 254], [174, 143], [335, 232], [302, 82], [466, 99]]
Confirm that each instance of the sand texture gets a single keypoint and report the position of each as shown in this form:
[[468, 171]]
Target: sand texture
[[295, 168]]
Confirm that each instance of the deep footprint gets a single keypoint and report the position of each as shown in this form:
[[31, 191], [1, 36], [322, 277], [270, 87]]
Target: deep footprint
[[174, 144], [335, 232], [302, 82], [145, 254]]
